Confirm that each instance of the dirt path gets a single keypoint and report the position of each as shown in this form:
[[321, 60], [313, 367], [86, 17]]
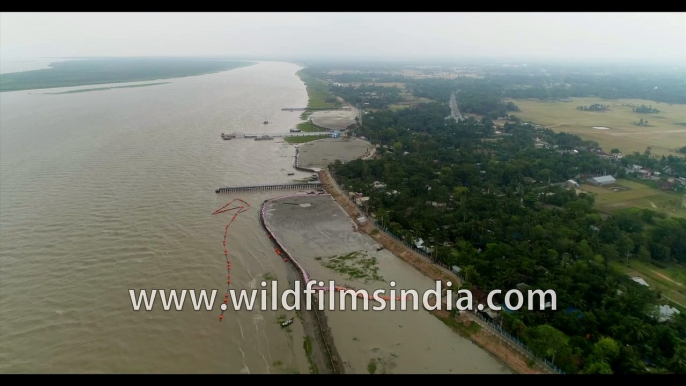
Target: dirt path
[[485, 338], [667, 278]]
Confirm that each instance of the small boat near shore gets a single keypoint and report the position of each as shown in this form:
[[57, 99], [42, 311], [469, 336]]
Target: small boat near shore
[[287, 323], [295, 130], [290, 174], [264, 138]]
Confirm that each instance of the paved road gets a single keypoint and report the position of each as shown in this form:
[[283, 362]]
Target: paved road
[[454, 112]]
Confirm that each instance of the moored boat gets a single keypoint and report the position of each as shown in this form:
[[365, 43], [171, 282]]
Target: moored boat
[[287, 322]]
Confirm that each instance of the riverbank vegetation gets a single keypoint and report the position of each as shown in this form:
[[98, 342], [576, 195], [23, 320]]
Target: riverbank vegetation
[[496, 205], [104, 71], [309, 127], [318, 92], [356, 265]]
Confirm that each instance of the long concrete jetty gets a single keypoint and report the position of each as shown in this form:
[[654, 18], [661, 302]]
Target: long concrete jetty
[[289, 134], [297, 186], [314, 108]]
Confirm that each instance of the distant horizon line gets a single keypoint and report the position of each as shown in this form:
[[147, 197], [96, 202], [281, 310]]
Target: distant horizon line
[[429, 60]]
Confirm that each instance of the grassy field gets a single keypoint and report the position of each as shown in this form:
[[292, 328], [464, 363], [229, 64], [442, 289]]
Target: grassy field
[[664, 134], [670, 281], [635, 195], [309, 127], [318, 92], [409, 102], [104, 71], [304, 138]]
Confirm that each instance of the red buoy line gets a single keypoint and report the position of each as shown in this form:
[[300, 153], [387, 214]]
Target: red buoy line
[[238, 210]]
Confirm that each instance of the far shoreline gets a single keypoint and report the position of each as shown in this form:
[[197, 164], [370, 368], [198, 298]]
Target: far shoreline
[[13, 76]]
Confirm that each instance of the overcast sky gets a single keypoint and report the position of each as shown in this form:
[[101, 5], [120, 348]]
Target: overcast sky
[[596, 36]]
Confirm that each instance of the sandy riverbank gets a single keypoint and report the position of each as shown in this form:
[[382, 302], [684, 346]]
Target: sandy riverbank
[[315, 228], [335, 119]]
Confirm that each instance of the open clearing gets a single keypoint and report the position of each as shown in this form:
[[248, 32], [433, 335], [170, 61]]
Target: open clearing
[[319, 154], [633, 194], [670, 281], [664, 134], [334, 119]]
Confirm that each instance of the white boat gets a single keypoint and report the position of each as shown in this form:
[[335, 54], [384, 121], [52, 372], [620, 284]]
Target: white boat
[[287, 323]]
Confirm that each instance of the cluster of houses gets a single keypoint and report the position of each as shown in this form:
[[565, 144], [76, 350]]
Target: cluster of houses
[[649, 174], [480, 297]]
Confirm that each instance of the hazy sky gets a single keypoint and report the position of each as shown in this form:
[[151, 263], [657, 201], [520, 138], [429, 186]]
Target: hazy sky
[[601, 36]]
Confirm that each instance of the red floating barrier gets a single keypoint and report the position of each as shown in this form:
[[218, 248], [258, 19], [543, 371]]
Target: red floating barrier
[[223, 209]]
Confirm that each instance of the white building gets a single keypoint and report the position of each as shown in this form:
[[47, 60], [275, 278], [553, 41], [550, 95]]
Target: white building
[[603, 180], [665, 313], [571, 184]]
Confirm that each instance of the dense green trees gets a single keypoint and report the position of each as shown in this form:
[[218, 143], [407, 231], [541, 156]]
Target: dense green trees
[[495, 206]]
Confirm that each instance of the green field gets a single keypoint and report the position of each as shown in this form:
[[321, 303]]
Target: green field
[[635, 195], [664, 134], [105, 71], [410, 101], [309, 127], [670, 281]]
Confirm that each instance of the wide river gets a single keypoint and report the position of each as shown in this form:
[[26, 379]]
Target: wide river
[[106, 191]]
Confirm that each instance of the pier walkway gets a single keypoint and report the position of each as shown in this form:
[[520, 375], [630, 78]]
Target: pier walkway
[[277, 135], [297, 186]]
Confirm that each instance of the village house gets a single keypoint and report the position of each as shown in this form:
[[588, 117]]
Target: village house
[[665, 313], [666, 185], [361, 200], [379, 185], [541, 144], [571, 184], [643, 173], [419, 243]]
